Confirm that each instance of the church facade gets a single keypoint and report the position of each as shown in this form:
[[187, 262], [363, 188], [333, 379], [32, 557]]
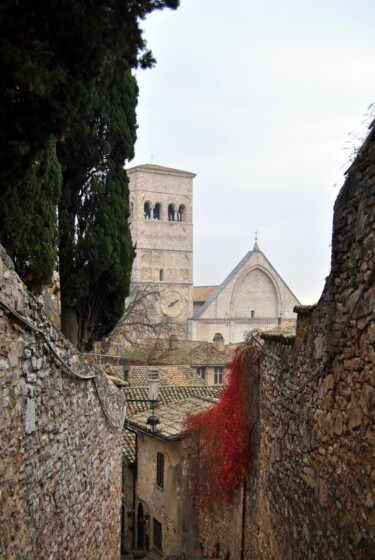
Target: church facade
[[252, 297]]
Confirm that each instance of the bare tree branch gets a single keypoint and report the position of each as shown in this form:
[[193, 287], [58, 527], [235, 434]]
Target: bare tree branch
[[142, 323]]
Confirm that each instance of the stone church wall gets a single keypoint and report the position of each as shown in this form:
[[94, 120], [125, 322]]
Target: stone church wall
[[60, 459], [314, 486]]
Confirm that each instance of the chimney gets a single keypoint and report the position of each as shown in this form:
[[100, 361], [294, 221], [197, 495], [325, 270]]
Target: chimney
[[218, 342]]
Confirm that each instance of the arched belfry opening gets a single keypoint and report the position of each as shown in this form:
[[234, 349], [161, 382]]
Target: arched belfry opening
[[171, 213], [157, 211], [147, 211], [181, 215]]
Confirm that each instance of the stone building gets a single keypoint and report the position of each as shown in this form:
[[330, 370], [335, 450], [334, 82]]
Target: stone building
[[165, 522], [161, 206], [143, 498], [252, 297]]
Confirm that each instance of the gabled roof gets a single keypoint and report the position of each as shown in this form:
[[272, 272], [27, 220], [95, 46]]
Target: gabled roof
[[233, 274], [152, 167]]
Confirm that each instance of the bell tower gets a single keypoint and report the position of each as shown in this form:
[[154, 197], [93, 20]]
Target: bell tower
[[161, 208]]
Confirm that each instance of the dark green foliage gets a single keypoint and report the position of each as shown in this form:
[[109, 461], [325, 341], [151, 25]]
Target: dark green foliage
[[49, 49], [65, 78], [28, 219], [96, 252]]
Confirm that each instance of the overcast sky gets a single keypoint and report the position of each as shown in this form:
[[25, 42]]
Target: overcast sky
[[263, 100]]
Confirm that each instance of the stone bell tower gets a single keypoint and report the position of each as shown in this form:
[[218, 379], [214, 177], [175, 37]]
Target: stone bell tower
[[161, 207]]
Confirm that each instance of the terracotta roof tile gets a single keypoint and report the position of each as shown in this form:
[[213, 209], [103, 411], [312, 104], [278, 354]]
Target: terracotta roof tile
[[168, 375], [206, 354], [167, 394], [202, 293], [182, 352], [172, 416]]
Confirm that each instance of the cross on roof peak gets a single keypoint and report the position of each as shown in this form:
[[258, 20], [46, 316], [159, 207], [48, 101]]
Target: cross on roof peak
[[256, 237]]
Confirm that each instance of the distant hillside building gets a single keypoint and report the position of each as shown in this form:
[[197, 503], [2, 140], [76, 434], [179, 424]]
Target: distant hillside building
[[253, 296]]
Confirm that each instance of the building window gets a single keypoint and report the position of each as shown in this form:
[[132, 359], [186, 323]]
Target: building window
[[201, 371], [218, 376], [161, 275], [158, 535], [181, 213], [147, 211], [252, 314], [156, 213], [160, 470], [170, 213]]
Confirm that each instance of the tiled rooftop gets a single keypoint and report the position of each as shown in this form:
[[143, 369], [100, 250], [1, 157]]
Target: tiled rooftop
[[172, 416], [178, 383], [202, 293], [183, 352], [205, 354], [168, 375], [167, 394]]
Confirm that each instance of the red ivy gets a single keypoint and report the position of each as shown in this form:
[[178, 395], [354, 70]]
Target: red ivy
[[218, 440]]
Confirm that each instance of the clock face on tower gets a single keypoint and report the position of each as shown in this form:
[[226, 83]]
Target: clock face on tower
[[171, 303]]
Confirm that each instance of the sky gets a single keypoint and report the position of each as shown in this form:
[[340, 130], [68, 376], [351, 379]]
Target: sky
[[266, 102]]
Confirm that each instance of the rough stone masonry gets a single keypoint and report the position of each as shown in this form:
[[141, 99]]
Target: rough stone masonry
[[313, 491], [60, 444]]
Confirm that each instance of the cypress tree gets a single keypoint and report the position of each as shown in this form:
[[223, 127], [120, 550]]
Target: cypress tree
[[96, 252], [61, 65], [28, 218]]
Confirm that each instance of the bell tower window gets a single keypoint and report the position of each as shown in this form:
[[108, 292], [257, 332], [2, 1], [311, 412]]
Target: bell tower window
[[170, 213], [147, 211], [156, 213], [181, 213], [161, 275]]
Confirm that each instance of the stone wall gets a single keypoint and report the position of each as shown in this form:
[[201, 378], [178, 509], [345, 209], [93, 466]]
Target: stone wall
[[60, 448], [314, 487], [220, 532]]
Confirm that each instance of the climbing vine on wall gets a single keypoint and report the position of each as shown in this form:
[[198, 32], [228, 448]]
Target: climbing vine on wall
[[218, 440]]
